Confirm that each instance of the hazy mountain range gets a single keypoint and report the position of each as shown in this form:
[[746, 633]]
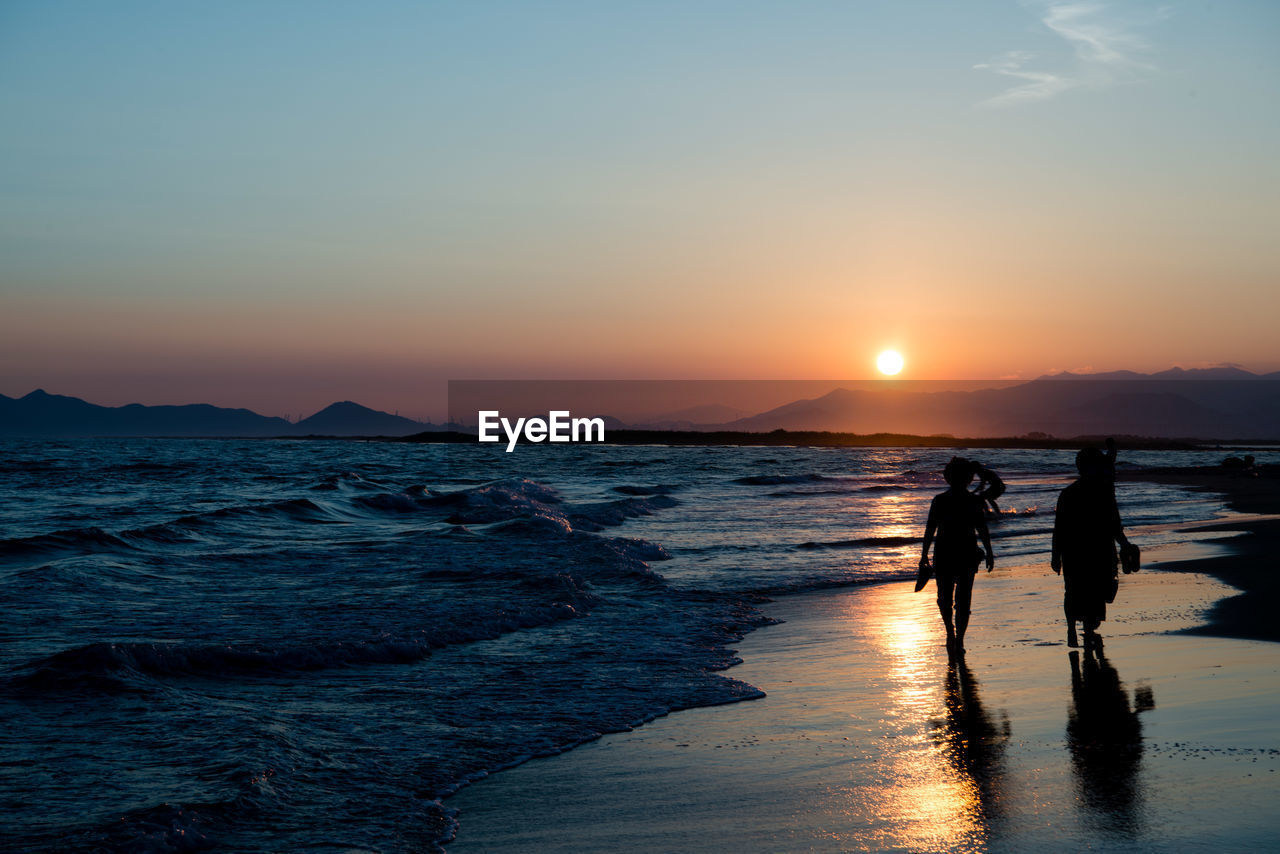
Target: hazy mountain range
[[1215, 403], [42, 414]]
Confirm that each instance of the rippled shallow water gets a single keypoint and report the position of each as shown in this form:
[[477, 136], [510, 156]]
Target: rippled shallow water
[[303, 645]]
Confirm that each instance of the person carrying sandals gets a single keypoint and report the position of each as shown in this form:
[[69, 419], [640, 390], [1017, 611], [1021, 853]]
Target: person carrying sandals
[[1086, 529], [955, 523]]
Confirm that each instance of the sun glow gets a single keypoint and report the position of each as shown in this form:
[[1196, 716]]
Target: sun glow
[[890, 362]]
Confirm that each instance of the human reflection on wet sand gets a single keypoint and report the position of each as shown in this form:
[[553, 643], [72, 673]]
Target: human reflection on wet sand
[[973, 743], [934, 784], [1104, 735]]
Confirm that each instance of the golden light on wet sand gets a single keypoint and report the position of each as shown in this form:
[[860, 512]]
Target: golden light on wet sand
[[927, 803]]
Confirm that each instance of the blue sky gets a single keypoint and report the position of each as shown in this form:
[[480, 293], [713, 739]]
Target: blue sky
[[210, 200]]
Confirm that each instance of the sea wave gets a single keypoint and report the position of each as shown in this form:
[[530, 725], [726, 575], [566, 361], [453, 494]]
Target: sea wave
[[861, 542], [72, 539], [109, 666], [657, 489], [488, 503], [779, 479]]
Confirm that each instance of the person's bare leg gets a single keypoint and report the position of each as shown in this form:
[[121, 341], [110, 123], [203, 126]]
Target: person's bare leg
[[962, 624], [946, 602], [1072, 640], [963, 601], [945, 609]]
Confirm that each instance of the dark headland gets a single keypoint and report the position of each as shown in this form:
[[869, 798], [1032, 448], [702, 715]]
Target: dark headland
[[824, 438]]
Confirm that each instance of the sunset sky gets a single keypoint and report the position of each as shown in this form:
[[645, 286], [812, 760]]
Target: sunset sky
[[281, 204]]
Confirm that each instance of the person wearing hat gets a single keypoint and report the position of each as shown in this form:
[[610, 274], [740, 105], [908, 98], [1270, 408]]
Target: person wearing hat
[[955, 522]]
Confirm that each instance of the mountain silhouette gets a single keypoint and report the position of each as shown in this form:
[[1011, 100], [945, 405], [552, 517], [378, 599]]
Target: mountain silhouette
[[53, 415], [1208, 404], [352, 419], [1214, 403], [690, 418], [42, 414]]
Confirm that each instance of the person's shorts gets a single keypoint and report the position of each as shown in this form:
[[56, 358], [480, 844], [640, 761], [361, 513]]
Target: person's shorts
[[955, 586]]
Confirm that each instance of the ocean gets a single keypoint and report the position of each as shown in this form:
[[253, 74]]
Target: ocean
[[290, 645]]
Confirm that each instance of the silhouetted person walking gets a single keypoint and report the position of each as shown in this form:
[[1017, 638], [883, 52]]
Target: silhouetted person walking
[[1085, 532], [956, 519]]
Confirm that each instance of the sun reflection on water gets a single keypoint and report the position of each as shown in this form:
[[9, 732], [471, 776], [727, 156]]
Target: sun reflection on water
[[938, 776]]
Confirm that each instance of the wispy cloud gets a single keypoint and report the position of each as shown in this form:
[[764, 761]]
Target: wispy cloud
[[1105, 52]]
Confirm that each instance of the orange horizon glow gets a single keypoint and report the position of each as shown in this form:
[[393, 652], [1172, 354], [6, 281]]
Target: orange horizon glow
[[670, 207]]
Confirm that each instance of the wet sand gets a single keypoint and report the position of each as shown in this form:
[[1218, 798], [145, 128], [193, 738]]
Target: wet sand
[[1252, 565], [869, 740]]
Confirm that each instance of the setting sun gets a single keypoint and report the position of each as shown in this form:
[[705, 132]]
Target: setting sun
[[889, 362]]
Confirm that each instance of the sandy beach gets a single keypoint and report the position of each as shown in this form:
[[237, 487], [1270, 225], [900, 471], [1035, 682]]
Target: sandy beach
[[868, 740]]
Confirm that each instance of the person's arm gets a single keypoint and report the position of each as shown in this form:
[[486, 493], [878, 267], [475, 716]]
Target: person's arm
[[992, 485], [1117, 527], [1055, 552], [930, 528], [986, 540]]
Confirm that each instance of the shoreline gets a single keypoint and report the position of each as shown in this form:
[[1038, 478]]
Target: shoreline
[[869, 740], [1249, 565], [761, 776]]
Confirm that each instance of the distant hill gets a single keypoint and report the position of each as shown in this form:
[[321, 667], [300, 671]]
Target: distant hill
[[42, 414], [1216, 403], [1222, 372], [53, 415], [692, 417], [352, 419]]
